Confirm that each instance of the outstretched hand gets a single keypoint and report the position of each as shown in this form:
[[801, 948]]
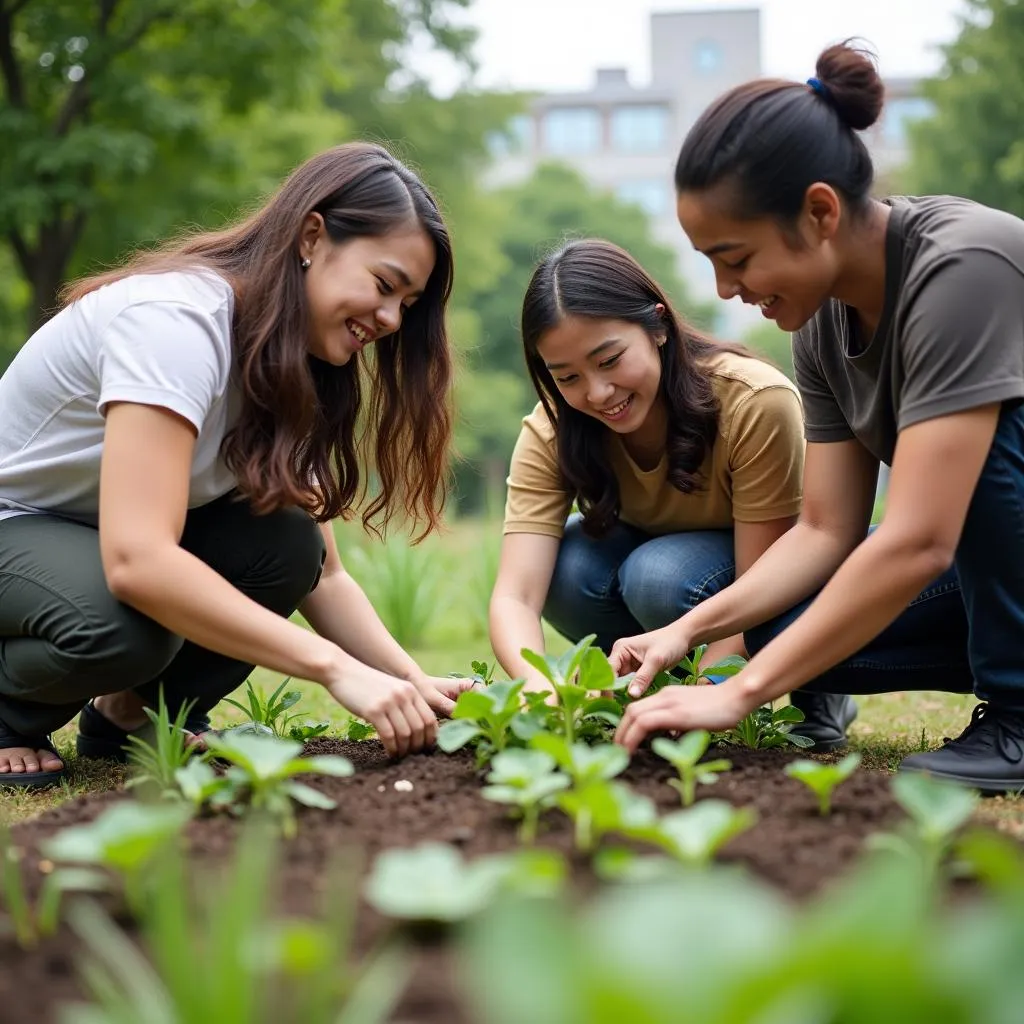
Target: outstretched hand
[[681, 709], [648, 654]]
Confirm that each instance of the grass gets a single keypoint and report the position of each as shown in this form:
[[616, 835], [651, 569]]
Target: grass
[[890, 726]]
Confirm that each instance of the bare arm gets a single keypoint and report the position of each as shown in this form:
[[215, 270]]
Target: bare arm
[[935, 471], [144, 478], [524, 575], [839, 487], [934, 475]]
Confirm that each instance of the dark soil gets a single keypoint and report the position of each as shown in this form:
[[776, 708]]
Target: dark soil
[[792, 847]]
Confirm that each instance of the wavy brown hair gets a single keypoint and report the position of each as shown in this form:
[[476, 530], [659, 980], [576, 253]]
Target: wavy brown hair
[[302, 430], [595, 279]]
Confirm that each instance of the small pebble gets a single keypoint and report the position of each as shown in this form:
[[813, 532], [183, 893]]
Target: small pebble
[[46, 867], [380, 789], [403, 786]]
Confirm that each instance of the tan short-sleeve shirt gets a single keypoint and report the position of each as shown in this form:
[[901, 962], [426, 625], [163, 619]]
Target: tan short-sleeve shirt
[[752, 474]]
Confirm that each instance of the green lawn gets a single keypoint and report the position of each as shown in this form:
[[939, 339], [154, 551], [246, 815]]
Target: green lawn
[[439, 592]]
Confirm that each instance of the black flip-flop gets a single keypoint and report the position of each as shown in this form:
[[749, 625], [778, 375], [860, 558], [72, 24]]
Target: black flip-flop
[[99, 738], [29, 780]]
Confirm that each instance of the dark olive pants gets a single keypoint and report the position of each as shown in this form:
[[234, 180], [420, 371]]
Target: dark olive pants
[[64, 638]]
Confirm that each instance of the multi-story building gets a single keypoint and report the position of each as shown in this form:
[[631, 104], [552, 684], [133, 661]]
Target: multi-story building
[[625, 138]]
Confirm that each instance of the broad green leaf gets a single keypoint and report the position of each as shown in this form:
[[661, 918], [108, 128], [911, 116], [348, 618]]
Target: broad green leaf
[[603, 707], [322, 764], [938, 808], [518, 767], [687, 750], [789, 713], [541, 663], [456, 733], [555, 746], [596, 672], [472, 705], [263, 757], [309, 796], [694, 835]]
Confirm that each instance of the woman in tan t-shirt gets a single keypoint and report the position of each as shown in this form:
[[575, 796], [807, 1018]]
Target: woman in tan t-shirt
[[683, 456]]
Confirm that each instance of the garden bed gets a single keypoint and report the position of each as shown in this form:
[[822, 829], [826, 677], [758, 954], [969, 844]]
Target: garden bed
[[791, 847]]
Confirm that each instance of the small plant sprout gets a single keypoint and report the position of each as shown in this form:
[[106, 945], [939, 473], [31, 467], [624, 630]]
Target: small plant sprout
[[126, 838], [768, 727], [599, 807], [582, 763], [267, 717], [526, 779], [684, 754], [26, 922], [432, 884], [937, 810], [263, 768], [574, 675], [694, 671], [821, 779], [156, 763], [482, 715], [202, 787], [695, 835]]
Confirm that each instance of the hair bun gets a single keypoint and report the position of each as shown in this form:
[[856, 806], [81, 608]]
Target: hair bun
[[854, 87]]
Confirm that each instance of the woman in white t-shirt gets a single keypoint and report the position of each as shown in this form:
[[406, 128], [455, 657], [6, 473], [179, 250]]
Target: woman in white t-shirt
[[176, 441]]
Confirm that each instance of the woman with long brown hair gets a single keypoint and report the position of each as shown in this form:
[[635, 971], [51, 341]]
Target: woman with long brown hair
[[683, 456], [176, 442]]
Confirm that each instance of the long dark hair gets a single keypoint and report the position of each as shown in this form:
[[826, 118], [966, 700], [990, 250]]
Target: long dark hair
[[596, 279], [301, 432], [768, 140]]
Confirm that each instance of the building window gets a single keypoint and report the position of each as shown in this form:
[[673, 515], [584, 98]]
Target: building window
[[639, 129], [651, 195], [708, 56], [516, 138], [898, 113], [571, 130]]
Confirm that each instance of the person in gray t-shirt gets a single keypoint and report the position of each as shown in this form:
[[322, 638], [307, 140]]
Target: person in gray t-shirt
[[908, 321]]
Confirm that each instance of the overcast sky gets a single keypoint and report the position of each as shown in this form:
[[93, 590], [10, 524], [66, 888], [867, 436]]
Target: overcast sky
[[557, 44]]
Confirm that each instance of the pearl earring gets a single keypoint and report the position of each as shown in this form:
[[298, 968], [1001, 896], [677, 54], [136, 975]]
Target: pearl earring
[[306, 263]]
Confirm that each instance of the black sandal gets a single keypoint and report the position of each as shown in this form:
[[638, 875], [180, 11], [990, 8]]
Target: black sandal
[[29, 780], [100, 738]]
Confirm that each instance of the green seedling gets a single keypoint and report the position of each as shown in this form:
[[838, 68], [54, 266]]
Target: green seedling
[[693, 671], [768, 727], [307, 731], [202, 787], [220, 956], [484, 716], [527, 780], [582, 763], [600, 807], [574, 675], [821, 779], [263, 770], [156, 763], [695, 835], [432, 884], [266, 716], [27, 922], [684, 756], [358, 731], [126, 839], [937, 810]]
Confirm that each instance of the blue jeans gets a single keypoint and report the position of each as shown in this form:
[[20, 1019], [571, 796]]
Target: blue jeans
[[628, 582], [964, 632]]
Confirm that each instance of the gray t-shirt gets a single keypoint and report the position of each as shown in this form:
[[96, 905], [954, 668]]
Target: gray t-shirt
[[159, 339], [951, 335]]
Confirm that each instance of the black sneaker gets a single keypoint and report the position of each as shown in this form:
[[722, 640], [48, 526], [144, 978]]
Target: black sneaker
[[988, 755], [826, 718]]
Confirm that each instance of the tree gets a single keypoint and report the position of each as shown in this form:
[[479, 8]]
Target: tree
[[124, 120], [775, 345], [974, 144]]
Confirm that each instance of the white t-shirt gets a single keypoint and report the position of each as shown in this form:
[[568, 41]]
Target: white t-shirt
[[160, 339]]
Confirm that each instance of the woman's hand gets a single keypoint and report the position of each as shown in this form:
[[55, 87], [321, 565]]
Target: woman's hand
[[441, 692], [649, 653], [395, 707], [683, 709]]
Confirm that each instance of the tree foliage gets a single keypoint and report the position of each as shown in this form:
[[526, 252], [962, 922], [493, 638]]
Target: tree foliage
[[974, 144]]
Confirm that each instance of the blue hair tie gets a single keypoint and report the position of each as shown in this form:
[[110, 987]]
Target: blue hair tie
[[819, 87]]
